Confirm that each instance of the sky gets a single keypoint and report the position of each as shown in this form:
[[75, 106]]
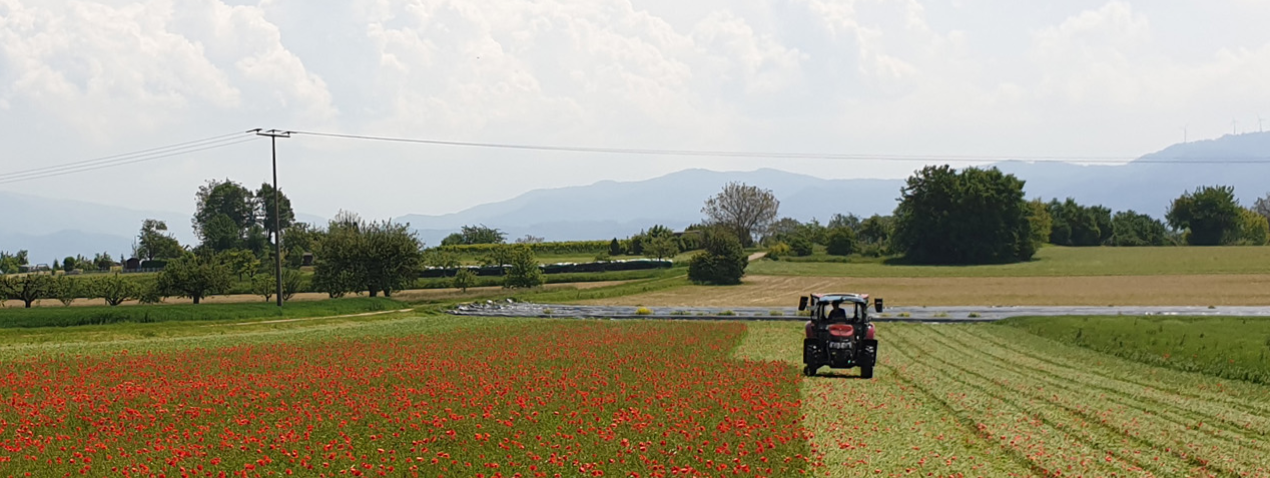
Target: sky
[[973, 78]]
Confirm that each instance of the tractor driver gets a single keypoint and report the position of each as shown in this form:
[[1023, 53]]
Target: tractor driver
[[837, 313]]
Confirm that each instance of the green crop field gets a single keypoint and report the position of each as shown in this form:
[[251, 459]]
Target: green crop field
[[100, 315], [1231, 347], [1051, 262]]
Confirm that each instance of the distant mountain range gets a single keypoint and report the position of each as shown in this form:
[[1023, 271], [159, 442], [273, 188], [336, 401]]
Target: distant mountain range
[[55, 228]]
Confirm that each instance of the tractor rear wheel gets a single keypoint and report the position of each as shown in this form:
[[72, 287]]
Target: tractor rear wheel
[[866, 371]]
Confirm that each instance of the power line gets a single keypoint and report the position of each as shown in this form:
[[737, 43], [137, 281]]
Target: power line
[[145, 155], [770, 155]]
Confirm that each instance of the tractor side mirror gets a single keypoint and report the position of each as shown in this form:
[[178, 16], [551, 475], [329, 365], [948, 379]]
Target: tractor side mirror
[[877, 305], [802, 303]]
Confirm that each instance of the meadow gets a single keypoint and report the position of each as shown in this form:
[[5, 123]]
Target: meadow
[[1095, 276], [1231, 347], [1051, 261], [101, 315]]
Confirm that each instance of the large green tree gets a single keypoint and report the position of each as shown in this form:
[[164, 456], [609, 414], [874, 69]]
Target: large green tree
[[975, 216], [154, 243], [1077, 225], [195, 276], [523, 271], [375, 257], [224, 212], [1210, 215], [743, 209]]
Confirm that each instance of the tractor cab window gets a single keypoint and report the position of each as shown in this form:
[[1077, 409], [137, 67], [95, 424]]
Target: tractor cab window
[[844, 311]]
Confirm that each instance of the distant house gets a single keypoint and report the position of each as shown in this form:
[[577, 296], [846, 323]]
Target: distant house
[[132, 265]]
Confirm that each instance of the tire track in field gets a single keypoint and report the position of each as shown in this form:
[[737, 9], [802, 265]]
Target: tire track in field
[[1020, 386], [1086, 446], [1249, 407], [1236, 455], [1061, 377]]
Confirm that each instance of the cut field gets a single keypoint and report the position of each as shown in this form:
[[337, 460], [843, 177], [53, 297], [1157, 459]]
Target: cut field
[[987, 400], [1054, 262], [783, 291]]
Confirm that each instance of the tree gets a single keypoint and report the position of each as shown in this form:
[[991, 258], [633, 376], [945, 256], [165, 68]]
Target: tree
[[28, 288], [530, 239], [1210, 214], [840, 241], [479, 234], [115, 289], [1254, 229], [241, 263], [524, 271], [68, 264], [152, 243], [66, 290], [301, 238], [463, 279], [103, 261], [195, 276], [615, 248], [850, 221], [660, 247], [1041, 222], [743, 209], [1262, 207], [264, 285], [441, 259], [224, 212], [359, 256], [9, 263], [722, 262], [265, 209], [975, 216], [782, 230], [1133, 229], [1077, 225]]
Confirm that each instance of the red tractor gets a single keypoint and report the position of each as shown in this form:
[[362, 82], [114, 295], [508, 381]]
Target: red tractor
[[839, 334]]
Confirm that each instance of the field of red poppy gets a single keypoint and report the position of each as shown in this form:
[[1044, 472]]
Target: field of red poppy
[[516, 399], [438, 396], [991, 400]]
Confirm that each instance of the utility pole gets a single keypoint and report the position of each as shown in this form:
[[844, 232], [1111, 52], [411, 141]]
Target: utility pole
[[273, 135]]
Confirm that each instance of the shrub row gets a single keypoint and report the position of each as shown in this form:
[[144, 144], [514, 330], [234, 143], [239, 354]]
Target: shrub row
[[588, 267], [570, 247]]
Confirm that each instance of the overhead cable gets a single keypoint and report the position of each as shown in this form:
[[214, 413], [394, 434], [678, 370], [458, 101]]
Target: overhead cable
[[819, 156]]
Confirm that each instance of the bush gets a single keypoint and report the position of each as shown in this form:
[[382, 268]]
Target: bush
[[801, 246], [840, 241], [779, 250], [723, 262], [643, 311], [463, 279]]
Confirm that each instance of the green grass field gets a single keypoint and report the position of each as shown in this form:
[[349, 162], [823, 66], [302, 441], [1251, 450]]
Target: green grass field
[[1052, 262], [1231, 347], [100, 315]]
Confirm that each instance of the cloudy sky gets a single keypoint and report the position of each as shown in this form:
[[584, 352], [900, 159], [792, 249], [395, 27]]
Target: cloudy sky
[[988, 78]]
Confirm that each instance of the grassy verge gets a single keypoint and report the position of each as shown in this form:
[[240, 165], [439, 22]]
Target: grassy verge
[[82, 316], [669, 280], [1229, 347], [1051, 262], [572, 278]]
